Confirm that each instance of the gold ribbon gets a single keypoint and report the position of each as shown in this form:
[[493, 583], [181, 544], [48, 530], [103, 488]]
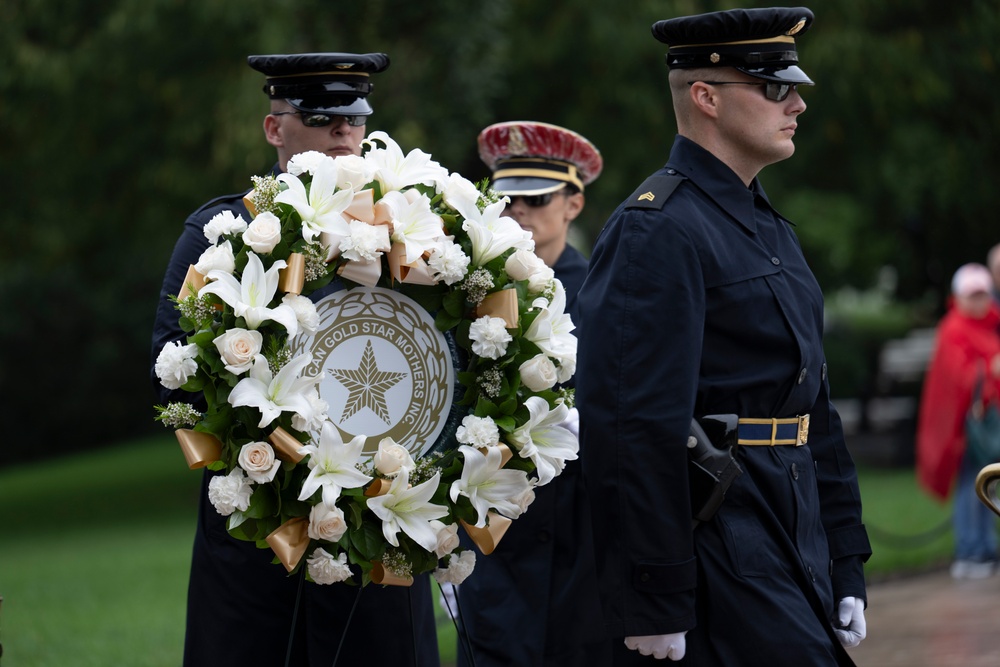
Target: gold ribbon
[[362, 207], [248, 202], [293, 276], [379, 487], [193, 282], [413, 273], [199, 448], [364, 273], [505, 453], [380, 575], [488, 537], [286, 446], [988, 486], [502, 304], [289, 541]]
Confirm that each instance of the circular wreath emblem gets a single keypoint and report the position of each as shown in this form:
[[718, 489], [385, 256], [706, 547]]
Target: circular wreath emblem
[[379, 350]]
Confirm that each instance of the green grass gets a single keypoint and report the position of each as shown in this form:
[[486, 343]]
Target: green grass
[[95, 549]]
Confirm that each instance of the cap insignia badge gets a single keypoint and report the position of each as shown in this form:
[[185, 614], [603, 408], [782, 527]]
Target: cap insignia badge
[[795, 28], [515, 142], [715, 57]]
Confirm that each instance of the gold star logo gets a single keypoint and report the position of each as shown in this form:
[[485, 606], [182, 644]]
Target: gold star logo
[[367, 385]]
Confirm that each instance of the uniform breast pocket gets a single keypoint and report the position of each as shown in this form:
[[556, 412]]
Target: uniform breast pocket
[[750, 548]]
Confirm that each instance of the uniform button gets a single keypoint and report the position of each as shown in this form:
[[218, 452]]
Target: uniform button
[[671, 171], [812, 573], [822, 374], [795, 471], [802, 375], [775, 261], [543, 536], [644, 577]]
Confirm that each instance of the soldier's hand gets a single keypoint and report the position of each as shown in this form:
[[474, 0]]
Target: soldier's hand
[[670, 646], [851, 616]]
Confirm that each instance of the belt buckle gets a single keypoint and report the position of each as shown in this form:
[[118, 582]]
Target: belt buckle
[[803, 430]]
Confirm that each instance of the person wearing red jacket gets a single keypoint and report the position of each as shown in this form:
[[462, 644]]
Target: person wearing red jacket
[[967, 348]]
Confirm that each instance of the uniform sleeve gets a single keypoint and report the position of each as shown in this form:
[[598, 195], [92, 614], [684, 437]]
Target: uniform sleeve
[[840, 499], [642, 313], [166, 327]]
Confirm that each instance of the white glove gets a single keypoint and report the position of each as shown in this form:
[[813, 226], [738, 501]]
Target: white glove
[[572, 422], [851, 615], [449, 600], [670, 646]]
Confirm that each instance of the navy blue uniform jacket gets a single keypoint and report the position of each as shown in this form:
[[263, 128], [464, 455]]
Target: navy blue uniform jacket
[[698, 301], [533, 602], [240, 604]]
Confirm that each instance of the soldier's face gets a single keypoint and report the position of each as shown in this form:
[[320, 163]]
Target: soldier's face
[[548, 223], [290, 136], [758, 129]]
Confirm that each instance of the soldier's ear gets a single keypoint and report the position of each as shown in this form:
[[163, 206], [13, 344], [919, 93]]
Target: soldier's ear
[[272, 131], [705, 98]]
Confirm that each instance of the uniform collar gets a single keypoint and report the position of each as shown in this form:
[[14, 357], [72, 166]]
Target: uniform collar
[[718, 181]]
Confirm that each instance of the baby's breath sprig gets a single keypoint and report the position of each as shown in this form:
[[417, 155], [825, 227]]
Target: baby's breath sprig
[[178, 415], [477, 285], [265, 188]]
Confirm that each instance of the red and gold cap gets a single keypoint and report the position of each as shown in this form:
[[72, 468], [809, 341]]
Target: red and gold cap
[[531, 158]]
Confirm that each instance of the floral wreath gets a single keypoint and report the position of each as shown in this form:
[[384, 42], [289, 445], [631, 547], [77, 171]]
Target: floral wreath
[[389, 220]]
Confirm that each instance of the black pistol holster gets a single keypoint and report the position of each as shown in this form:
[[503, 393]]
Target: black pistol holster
[[712, 465]]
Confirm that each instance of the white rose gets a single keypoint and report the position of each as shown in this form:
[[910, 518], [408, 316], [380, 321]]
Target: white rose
[[326, 523], [447, 537], [306, 163], [217, 258], [478, 431], [305, 312], [223, 224], [539, 281], [459, 568], [257, 459], [538, 373], [264, 233], [391, 458], [325, 569], [175, 364], [230, 493], [238, 348], [522, 264], [353, 172], [460, 193], [489, 337]]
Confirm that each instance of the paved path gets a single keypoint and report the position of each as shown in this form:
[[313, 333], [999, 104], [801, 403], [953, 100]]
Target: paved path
[[930, 620]]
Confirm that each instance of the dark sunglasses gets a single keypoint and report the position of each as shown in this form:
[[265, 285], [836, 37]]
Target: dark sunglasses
[[310, 119], [777, 92], [533, 201]]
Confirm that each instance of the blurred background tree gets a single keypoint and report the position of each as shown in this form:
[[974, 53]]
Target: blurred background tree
[[122, 117]]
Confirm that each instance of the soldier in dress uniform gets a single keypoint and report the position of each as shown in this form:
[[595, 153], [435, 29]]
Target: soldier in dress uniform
[[699, 302], [533, 602], [240, 605]]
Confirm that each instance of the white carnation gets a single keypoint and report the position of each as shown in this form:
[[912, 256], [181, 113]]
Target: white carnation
[[478, 432], [175, 364], [489, 337], [459, 568], [449, 263], [223, 224], [306, 163], [365, 242], [217, 258], [305, 312], [460, 193], [230, 493], [325, 569]]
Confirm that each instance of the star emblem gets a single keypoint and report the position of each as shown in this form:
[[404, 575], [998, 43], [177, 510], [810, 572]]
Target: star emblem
[[367, 385]]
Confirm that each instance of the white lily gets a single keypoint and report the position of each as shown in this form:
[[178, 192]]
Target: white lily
[[395, 171], [493, 234], [551, 330], [542, 439], [250, 297], [460, 193], [274, 394], [333, 465], [414, 224], [487, 485], [409, 510], [322, 205]]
